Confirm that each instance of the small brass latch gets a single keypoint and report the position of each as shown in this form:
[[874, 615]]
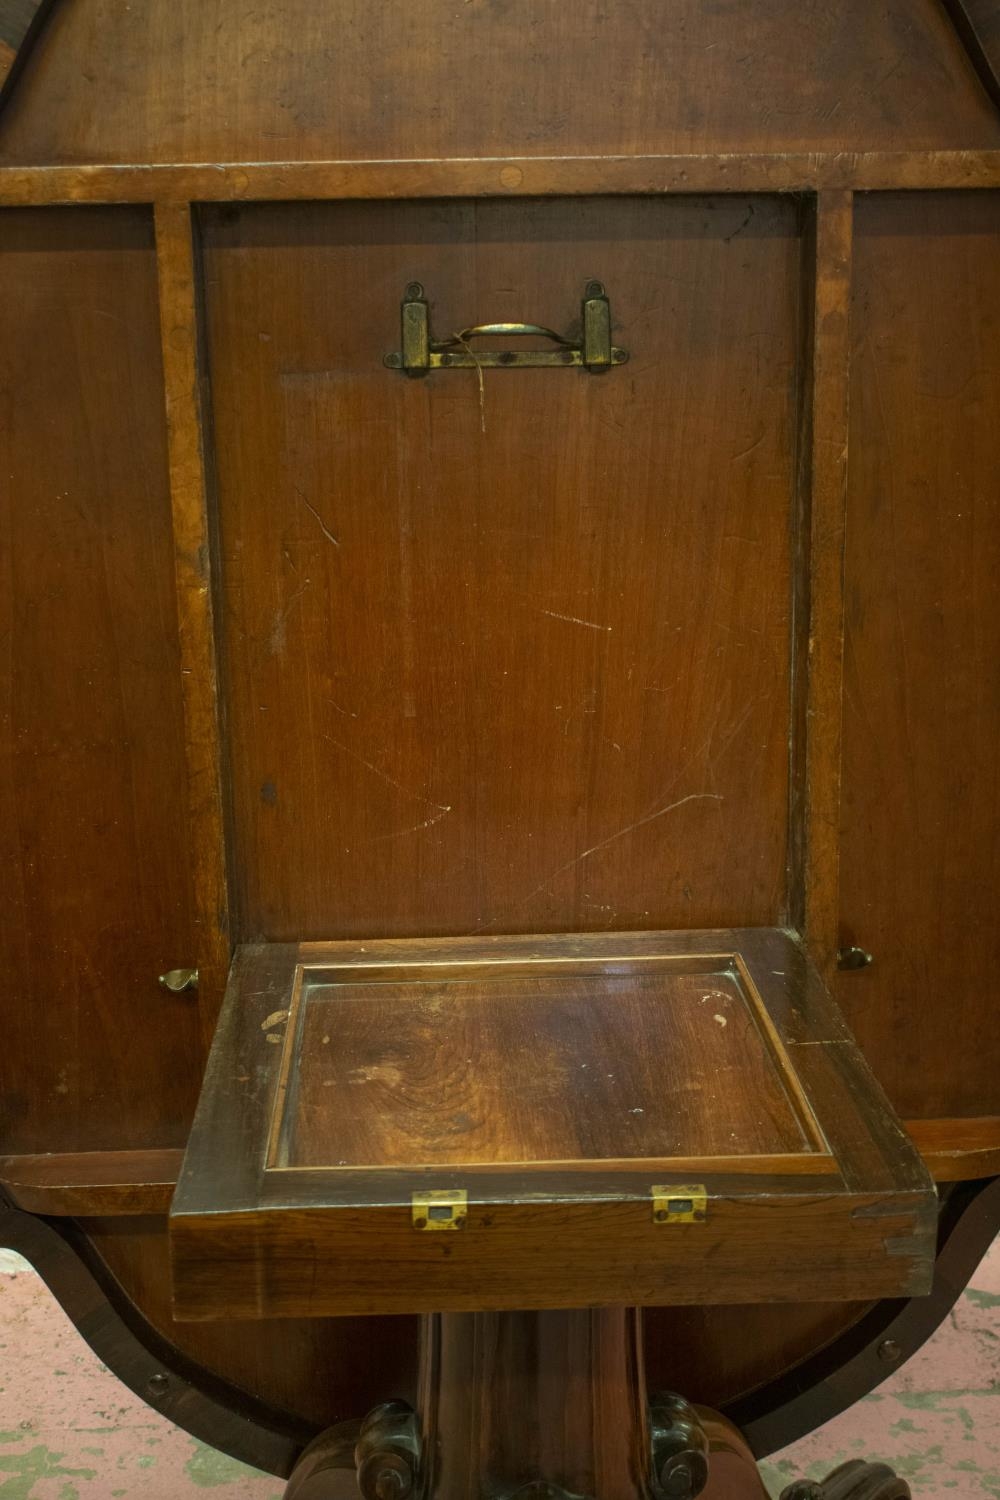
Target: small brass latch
[[680, 1205], [420, 353], [440, 1210], [179, 980]]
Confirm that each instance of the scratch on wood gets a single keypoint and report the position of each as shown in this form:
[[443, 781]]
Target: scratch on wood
[[727, 238], [276, 639], [442, 807], [319, 519], [575, 620], [743, 453], [428, 823], [622, 832]]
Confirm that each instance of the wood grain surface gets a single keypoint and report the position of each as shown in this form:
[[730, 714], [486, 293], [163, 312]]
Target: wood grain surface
[[252, 1238], [500, 679], [525, 1069], [820, 677], [182, 80], [170, 104], [96, 1054], [320, 1370], [922, 708]]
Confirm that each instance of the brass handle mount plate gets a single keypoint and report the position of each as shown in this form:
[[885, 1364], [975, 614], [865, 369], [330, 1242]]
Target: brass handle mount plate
[[420, 353]]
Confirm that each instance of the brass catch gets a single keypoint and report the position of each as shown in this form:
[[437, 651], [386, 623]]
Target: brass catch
[[687, 1204], [440, 1210], [420, 353], [853, 958], [179, 980]]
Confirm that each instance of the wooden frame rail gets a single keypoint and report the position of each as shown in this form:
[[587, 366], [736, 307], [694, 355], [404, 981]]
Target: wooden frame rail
[[179, 333], [779, 172], [819, 626]]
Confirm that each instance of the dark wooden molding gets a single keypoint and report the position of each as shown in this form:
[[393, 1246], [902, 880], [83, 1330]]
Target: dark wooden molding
[[207, 1407], [21, 22], [828, 1382], [977, 23]]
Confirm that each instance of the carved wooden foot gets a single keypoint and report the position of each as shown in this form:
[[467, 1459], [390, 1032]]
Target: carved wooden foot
[[327, 1470], [852, 1481]]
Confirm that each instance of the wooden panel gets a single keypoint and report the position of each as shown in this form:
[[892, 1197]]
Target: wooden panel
[[922, 711], [96, 900], [94, 1182], [254, 1236], [517, 1068], [821, 661], [324, 1370], [200, 80], [958, 1150], [535, 676]]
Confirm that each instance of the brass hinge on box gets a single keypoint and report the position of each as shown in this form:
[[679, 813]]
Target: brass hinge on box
[[687, 1204], [445, 1209]]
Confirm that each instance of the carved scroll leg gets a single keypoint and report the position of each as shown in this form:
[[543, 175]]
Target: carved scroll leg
[[377, 1459], [327, 1469], [732, 1469], [856, 1480]]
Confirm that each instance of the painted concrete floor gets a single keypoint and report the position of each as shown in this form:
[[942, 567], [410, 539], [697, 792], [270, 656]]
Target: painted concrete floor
[[70, 1431]]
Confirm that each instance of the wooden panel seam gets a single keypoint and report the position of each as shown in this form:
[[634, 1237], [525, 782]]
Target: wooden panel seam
[[827, 508], [175, 261]]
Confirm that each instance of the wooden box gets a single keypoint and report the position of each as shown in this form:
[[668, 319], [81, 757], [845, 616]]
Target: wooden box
[[522, 1122]]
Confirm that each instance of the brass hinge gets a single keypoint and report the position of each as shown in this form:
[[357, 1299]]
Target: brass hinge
[[440, 1210], [687, 1204]]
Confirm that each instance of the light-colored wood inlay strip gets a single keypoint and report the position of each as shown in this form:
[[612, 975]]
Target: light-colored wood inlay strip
[[192, 571], [690, 1168], [506, 177]]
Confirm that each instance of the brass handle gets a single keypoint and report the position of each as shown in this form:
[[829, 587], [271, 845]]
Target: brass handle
[[507, 330], [420, 353]]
